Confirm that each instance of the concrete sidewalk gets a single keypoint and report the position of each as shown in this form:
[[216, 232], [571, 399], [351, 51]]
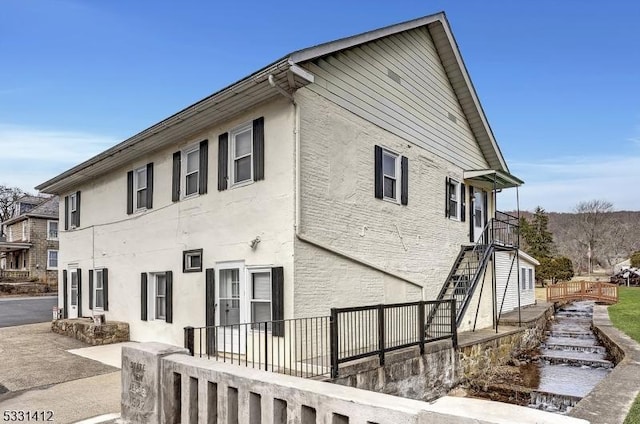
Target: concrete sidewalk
[[46, 371]]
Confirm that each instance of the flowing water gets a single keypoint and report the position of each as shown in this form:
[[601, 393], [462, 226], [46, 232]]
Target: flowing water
[[572, 361]]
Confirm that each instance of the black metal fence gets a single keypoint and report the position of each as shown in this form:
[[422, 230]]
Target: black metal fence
[[293, 346], [505, 229], [363, 331], [313, 347]]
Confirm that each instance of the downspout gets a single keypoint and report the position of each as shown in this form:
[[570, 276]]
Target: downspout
[[298, 207]]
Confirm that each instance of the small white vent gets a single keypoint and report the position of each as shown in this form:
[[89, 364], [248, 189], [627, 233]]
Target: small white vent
[[451, 117]]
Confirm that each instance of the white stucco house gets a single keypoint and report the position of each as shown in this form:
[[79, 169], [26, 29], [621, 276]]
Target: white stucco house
[[349, 173]]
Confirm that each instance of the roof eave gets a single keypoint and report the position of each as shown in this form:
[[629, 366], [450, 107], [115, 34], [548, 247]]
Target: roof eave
[[51, 186]]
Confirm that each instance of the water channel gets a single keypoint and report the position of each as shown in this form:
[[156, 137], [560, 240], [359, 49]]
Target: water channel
[[564, 369], [571, 360]]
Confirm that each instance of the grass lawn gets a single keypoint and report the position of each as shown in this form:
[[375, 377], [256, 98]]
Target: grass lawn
[[625, 315]]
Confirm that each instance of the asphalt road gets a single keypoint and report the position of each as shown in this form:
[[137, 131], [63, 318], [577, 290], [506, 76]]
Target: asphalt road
[[26, 310]]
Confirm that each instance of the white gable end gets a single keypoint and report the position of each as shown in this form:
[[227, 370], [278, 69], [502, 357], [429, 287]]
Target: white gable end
[[399, 83]]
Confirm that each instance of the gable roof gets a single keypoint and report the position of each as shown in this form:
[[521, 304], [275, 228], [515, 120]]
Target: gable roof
[[47, 209], [285, 72]]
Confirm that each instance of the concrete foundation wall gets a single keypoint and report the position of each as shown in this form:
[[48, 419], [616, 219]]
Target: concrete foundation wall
[[406, 373]]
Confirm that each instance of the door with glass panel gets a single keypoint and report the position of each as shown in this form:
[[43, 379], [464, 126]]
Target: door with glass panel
[[479, 213], [73, 294], [230, 300]]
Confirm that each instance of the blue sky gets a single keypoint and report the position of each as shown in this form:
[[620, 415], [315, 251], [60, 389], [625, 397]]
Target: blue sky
[[558, 80]]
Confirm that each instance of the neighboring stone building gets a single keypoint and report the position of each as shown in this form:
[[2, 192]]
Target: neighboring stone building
[[345, 174], [29, 248]]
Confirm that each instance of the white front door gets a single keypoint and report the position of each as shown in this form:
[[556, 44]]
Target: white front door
[[230, 298], [479, 213], [73, 294]]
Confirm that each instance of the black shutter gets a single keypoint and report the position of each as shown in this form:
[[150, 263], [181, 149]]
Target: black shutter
[[203, 172], [258, 149], [150, 185], [223, 160], [169, 298], [210, 312], [65, 296], [79, 273], [66, 214], [105, 289], [463, 202], [143, 296], [129, 192], [277, 300], [77, 223], [471, 213], [379, 178], [447, 195], [175, 179], [91, 289], [404, 179]]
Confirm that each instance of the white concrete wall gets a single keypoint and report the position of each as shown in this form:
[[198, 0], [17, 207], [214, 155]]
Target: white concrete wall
[[338, 209], [222, 223]]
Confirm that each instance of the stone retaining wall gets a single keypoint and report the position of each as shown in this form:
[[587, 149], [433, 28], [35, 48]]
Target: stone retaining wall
[[406, 373], [479, 356], [86, 331]]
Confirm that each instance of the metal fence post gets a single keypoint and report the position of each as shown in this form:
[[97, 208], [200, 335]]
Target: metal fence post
[[333, 344], [266, 348], [381, 345], [188, 339], [421, 325], [454, 325]]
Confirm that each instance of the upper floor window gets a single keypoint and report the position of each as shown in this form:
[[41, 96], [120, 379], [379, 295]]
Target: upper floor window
[[10, 234], [455, 199], [241, 155], [140, 188], [72, 210], [24, 230], [52, 230], [391, 176], [190, 171]]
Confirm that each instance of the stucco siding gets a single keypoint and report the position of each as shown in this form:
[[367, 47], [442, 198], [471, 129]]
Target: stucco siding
[[338, 207], [400, 84], [221, 223]]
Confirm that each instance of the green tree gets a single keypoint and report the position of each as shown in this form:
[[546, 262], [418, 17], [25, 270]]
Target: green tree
[[538, 240], [635, 260], [554, 269]]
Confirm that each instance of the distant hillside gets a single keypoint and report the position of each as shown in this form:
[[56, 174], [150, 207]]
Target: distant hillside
[[620, 237]]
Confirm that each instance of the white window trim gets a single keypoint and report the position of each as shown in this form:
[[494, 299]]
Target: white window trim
[[250, 300], [397, 178], [49, 267], [137, 208], [183, 179], [72, 198], [457, 200], [232, 148], [49, 222], [152, 287], [25, 232], [524, 282], [95, 289], [10, 233]]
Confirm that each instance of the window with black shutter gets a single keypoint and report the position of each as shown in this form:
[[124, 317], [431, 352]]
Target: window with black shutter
[[391, 176]]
